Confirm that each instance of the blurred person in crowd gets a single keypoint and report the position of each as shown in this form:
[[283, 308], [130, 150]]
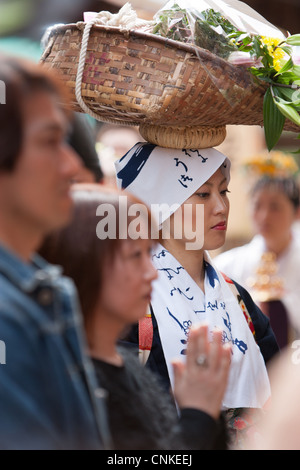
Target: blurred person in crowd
[[187, 189], [113, 141], [268, 266], [82, 140], [113, 273], [280, 428], [47, 392]]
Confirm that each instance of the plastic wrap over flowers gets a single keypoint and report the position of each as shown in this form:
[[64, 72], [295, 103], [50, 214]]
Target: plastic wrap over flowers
[[219, 26], [235, 32]]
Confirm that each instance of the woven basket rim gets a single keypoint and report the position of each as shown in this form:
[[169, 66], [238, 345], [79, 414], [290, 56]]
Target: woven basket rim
[[132, 32], [191, 48], [237, 73]]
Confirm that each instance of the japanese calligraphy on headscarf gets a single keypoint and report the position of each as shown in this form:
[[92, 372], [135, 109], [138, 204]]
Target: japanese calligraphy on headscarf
[[165, 178]]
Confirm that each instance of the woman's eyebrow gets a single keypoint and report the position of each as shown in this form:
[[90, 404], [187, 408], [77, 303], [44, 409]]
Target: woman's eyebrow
[[224, 180], [211, 184]]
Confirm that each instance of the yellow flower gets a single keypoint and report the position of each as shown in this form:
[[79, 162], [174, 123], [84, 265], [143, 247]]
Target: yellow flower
[[275, 52], [273, 164]]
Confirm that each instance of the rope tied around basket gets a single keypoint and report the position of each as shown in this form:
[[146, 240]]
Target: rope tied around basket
[[126, 19], [165, 137], [192, 136]]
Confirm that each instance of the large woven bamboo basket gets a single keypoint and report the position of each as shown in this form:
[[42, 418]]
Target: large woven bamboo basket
[[178, 94]]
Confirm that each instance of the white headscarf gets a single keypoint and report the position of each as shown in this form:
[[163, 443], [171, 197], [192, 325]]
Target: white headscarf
[[162, 176]]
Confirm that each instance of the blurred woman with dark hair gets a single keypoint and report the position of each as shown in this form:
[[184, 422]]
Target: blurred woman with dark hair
[[111, 265]]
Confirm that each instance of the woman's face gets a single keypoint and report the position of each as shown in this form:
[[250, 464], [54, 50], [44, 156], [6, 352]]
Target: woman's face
[[205, 214], [272, 213], [127, 284]]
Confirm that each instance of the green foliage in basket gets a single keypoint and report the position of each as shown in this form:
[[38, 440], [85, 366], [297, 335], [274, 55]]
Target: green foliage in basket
[[276, 68], [269, 60], [176, 23]]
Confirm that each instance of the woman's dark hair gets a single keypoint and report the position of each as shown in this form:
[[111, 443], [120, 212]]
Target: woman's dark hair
[[77, 247], [288, 186], [19, 80]]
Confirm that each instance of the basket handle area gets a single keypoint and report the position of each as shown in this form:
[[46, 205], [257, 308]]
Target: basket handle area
[[189, 137], [78, 84]]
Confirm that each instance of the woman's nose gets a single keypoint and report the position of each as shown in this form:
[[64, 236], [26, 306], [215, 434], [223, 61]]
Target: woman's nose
[[220, 206], [262, 214]]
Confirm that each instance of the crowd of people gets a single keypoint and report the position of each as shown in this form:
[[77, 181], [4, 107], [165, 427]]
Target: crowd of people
[[120, 332]]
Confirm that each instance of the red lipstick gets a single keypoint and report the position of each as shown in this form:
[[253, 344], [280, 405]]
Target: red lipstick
[[220, 226]]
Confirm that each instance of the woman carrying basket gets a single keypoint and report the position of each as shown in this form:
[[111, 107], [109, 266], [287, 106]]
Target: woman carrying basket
[[188, 190]]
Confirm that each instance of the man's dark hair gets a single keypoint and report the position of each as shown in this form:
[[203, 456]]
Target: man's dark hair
[[21, 79]]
